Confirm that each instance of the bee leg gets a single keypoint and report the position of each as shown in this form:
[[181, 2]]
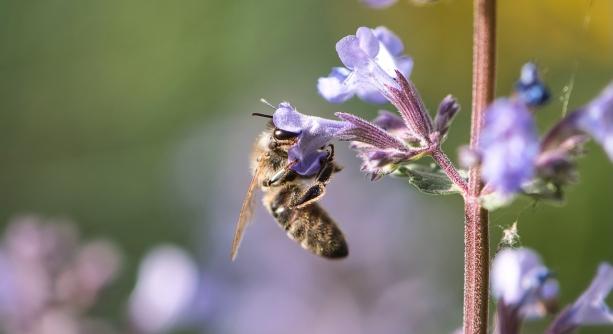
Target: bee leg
[[284, 175], [318, 189]]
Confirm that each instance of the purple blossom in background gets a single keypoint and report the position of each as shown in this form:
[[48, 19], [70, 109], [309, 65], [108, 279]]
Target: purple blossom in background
[[530, 88], [371, 57], [590, 308], [166, 287], [596, 119], [521, 281], [313, 134], [509, 146], [523, 288], [50, 279], [379, 4]]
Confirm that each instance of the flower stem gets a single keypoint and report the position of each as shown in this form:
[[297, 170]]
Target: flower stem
[[476, 246], [446, 165]]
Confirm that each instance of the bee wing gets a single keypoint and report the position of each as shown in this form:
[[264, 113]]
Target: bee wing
[[245, 214]]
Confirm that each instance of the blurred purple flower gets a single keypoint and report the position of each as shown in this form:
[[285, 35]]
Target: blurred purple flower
[[523, 288], [50, 278], [166, 288], [509, 146], [596, 119], [313, 134], [520, 280], [590, 308], [371, 57], [379, 4], [530, 88]]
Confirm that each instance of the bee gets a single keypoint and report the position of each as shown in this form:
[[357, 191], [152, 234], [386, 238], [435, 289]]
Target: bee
[[290, 197]]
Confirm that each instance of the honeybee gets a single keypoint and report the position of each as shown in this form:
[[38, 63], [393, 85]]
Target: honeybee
[[290, 197]]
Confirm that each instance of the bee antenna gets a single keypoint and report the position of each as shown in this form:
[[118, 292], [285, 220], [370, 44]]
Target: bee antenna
[[263, 100], [261, 115]]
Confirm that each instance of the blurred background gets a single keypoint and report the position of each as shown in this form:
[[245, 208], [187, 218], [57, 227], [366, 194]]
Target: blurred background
[[129, 122]]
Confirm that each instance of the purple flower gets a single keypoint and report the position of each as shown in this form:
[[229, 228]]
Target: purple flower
[[313, 134], [596, 119], [590, 308], [379, 4], [509, 146], [520, 279], [379, 149], [371, 57], [50, 278], [523, 287], [167, 284], [530, 88], [447, 110]]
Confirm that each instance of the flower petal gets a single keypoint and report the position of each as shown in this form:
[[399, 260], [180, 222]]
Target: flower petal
[[597, 119], [368, 41], [530, 88], [314, 133], [336, 87], [350, 52], [590, 308], [373, 56], [522, 283], [508, 146], [392, 42]]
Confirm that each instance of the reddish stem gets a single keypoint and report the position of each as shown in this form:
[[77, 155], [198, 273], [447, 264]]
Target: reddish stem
[[447, 166], [476, 246]]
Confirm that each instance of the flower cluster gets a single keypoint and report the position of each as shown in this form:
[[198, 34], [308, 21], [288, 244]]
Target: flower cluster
[[371, 58], [513, 157], [50, 279], [376, 71], [525, 289]]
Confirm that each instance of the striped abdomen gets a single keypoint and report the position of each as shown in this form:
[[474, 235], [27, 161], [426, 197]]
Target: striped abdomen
[[310, 226]]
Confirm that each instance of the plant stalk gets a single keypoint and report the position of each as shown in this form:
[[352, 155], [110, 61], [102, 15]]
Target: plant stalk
[[476, 244]]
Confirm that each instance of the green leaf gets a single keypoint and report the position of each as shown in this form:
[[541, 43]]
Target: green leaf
[[427, 179], [537, 189], [543, 190]]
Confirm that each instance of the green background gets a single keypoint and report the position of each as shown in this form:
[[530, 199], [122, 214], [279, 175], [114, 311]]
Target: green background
[[96, 97]]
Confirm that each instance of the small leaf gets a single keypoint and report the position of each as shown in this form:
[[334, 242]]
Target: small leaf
[[537, 189], [427, 179], [540, 189], [495, 200]]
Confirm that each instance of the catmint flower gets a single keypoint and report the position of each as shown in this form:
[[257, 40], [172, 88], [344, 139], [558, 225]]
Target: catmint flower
[[508, 146], [447, 110], [379, 4], [166, 288], [596, 119], [530, 88], [380, 149], [371, 57], [523, 287], [313, 134], [590, 308], [391, 140]]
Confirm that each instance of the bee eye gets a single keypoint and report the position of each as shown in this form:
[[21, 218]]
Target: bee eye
[[284, 135]]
